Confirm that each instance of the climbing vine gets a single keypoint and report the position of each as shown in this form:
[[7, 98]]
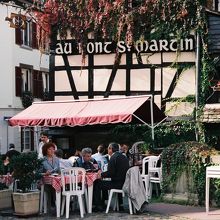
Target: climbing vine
[[165, 134], [189, 157], [118, 19]]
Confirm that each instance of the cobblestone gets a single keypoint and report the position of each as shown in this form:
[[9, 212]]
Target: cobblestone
[[100, 216]]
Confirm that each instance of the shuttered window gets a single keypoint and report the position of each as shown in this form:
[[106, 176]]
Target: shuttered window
[[34, 36], [18, 39], [18, 81], [27, 37], [37, 84]]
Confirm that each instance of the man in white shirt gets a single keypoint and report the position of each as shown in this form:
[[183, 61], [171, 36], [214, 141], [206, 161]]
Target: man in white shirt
[[64, 163], [100, 158], [44, 139]]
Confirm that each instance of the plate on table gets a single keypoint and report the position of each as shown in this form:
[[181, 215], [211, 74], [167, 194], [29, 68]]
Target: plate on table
[[92, 170], [54, 174]]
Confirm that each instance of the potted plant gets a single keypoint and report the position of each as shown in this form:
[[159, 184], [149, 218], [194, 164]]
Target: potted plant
[[5, 191], [25, 170], [27, 99]]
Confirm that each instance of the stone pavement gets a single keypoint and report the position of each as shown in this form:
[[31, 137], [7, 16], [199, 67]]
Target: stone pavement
[[157, 211]]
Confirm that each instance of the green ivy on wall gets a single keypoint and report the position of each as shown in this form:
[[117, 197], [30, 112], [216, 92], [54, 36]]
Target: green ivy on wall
[[192, 158], [165, 134]]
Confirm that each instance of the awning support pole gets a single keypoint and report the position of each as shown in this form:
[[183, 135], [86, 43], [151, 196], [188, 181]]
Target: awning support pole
[[152, 120]]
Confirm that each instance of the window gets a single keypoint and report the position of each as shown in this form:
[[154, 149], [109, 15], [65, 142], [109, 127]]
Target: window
[[31, 80], [27, 139], [26, 79], [27, 37], [216, 5], [45, 77]]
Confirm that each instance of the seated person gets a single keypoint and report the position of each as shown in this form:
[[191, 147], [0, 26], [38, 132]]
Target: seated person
[[86, 161], [117, 169], [100, 158], [64, 163], [75, 156], [50, 163]]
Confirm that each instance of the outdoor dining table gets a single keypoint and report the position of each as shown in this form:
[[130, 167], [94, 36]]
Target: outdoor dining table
[[55, 182], [7, 179]]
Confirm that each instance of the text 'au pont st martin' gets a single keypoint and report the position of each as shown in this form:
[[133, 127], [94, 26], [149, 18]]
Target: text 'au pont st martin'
[[71, 47]]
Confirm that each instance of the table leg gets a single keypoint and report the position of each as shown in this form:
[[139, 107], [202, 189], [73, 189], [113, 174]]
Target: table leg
[[207, 194], [41, 198], [90, 195], [58, 201]]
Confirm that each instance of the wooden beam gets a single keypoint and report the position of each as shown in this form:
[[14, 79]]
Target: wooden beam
[[113, 74], [171, 88], [90, 75], [70, 77], [133, 66]]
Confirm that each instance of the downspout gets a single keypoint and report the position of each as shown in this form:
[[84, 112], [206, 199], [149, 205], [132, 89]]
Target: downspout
[[197, 83]]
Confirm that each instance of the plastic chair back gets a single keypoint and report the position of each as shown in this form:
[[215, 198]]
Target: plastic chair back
[[73, 180]]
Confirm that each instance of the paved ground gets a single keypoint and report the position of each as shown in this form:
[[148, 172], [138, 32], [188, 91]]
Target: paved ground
[[157, 211]]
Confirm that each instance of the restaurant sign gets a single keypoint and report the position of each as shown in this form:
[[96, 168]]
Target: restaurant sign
[[71, 47]]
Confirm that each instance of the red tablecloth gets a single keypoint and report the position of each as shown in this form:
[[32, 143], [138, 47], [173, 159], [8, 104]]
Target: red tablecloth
[[56, 183], [7, 179]]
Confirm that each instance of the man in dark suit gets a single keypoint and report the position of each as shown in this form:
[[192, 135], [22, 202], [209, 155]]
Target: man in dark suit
[[117, 169], [11, 152]]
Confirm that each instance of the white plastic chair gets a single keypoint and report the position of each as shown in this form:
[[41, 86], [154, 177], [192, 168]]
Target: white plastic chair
[[73, 184], [116, 205], [145, 176], [155, 173]]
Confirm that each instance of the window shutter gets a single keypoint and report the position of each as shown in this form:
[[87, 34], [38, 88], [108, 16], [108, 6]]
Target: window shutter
[[22, 139], [40, 85], [34, 36], [18, 39], [32, 140], [35, 83], [18, 81]]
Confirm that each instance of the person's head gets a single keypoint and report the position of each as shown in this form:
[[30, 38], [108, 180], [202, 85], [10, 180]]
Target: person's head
[[59, 153], [11, 146], [44, 137], [124, 148], [48, 149], [101, 149], [78, 153], [86, 154], [114, 147], [110, 152]]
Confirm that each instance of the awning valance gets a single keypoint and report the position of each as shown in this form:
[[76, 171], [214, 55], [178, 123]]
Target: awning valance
[[88, 112]]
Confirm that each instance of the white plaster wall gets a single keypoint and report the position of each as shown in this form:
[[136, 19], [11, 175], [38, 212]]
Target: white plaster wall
[[140, 78], [13, 55]]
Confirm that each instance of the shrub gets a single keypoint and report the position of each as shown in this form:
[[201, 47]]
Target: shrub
[[25, 169]]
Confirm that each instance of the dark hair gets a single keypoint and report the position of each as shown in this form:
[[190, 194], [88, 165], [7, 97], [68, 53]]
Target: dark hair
[[46, 147], [11, 146], [59, 153], [115, 147], [44, 133], [101, 149]]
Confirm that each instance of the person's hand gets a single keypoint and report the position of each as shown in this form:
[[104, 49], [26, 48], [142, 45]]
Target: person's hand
[[99, 174], [47, 173]]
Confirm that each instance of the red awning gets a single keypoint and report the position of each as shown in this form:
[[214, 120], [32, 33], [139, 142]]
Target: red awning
[[87, 112]]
